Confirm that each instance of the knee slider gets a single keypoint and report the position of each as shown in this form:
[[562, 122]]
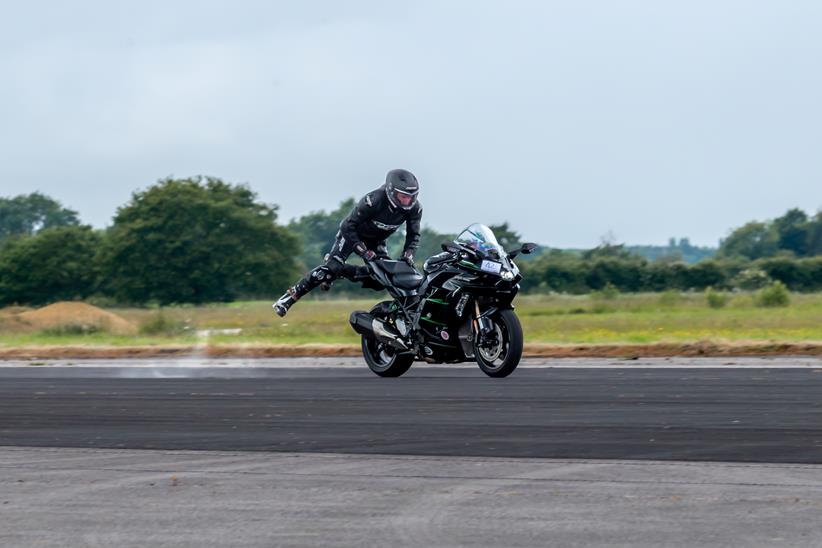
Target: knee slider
[[323, 274], [334, 267]]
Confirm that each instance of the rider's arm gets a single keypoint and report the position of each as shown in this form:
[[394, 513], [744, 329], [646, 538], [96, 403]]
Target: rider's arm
[[412, 229], [363, 211]]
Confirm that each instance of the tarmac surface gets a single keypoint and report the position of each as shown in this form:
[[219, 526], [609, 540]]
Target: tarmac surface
[[667, 452], [661, 412]]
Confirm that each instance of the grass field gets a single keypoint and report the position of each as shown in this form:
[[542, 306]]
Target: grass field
[[638, 318]]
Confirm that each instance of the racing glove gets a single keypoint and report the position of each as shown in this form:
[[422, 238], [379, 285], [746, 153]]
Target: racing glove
[[364, 252], [408, 257]]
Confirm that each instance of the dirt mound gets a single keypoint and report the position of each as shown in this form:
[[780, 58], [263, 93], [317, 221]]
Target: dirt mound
[[13, 310], [70, 317]]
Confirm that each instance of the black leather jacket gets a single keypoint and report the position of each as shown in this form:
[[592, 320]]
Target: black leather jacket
[[374, 219]]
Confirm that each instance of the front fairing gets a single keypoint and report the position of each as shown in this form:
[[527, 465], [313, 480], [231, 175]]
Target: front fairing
[[482, 252]]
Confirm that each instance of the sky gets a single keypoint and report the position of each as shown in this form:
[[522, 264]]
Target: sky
[[571, 120]]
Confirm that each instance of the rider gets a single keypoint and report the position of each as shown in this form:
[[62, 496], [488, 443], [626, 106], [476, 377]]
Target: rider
[[375, 217]]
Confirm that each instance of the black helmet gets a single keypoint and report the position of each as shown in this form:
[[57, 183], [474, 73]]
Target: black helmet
[[401, 188]]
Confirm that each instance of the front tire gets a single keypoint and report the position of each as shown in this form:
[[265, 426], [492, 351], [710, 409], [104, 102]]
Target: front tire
[[500, 353]]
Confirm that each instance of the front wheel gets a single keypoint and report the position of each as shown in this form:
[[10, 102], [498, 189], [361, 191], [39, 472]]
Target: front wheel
[[384, 360], [498, 353]]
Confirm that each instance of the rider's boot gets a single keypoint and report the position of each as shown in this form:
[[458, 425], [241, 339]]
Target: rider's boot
[[285, 302]]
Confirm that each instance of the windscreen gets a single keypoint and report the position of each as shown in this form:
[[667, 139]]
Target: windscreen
[[481, 239]]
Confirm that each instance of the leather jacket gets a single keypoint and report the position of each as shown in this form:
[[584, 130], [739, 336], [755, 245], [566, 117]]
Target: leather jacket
[[373, 219]]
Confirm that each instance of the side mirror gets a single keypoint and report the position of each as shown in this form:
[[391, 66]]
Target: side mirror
[[450, 247], [528, 248], [525, 249]]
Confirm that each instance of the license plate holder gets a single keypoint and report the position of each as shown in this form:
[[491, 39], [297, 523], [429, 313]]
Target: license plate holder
[[491, 266]]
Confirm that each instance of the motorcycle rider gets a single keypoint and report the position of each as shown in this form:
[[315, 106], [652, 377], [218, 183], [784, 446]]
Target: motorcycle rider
[[364, 231]]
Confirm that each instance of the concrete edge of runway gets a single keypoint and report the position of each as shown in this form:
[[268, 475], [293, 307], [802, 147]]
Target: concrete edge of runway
[[56, 497]]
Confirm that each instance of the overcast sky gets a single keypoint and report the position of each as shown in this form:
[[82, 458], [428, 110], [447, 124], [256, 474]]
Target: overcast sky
[[569, 119]]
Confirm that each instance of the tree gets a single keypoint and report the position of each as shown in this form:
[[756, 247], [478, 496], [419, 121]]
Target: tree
[[608, 251], [317, 230], [752, 241], [793, 231], [815, 236], [197, 240], [54, 265], [28, 214]]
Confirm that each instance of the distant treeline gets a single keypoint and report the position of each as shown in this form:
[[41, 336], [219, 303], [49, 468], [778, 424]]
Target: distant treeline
[[201, 240], [192, 240], [563, 274], [681, 250]]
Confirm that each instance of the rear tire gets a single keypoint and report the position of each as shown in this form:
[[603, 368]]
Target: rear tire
[[501, 358], [384, 360]]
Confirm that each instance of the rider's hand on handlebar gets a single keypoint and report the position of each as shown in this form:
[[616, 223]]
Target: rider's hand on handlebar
[[364, 252], [408, 257]]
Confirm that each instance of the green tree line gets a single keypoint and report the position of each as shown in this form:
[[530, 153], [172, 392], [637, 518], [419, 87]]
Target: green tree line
[[193, 240], [794, 234], [201, 239], [561, 272]]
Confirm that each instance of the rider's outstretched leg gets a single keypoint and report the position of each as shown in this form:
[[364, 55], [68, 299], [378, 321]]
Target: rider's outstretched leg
[[322, 275], [325, 274]]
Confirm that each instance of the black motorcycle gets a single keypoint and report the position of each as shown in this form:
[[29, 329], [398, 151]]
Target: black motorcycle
[[458, 310]]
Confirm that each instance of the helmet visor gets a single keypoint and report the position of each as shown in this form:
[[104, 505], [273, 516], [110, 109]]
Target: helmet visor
[[405, 199]]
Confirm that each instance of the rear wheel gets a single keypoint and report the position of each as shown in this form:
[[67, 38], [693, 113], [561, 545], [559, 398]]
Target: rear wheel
[[385, 360], [499, 352]]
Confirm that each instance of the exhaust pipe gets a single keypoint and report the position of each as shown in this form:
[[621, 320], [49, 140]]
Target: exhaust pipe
[[366, 324]]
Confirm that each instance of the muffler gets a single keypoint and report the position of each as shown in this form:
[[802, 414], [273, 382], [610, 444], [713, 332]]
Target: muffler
[[366, 324]]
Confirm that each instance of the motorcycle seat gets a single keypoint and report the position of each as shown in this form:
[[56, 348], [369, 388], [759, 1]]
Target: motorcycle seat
[[408, 281], [402, 274]]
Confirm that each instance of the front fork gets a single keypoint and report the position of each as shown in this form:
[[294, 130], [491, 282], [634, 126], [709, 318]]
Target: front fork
[[482, 323]]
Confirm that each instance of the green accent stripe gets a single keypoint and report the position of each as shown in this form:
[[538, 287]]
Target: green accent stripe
[[433, 321], [470, 265], [438, 301]]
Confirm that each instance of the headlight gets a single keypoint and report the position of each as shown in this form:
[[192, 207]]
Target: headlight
[[507, 275]]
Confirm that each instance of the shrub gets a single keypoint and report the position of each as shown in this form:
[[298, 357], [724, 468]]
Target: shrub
[[607, 293], [601, 307], [751, 278], [706, 274], [73, 329], [715, 298], [670, 298], [621, 274], [161, 324], [789, 271], [559, 274], [774, 295]]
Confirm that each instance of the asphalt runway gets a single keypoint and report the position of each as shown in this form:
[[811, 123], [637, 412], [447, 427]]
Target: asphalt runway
[[626, 411], [253, 454]]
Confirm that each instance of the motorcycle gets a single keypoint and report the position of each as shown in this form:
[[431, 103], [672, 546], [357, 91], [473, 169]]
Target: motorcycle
[[459, 309]]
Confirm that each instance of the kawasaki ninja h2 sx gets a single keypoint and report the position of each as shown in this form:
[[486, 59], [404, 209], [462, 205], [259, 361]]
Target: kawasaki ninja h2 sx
[[458, 310]]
